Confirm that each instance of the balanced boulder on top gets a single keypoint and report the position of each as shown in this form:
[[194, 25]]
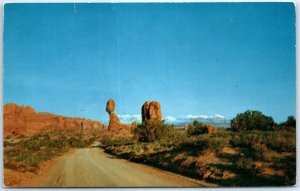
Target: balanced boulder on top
[[114, 122], [110, 106]]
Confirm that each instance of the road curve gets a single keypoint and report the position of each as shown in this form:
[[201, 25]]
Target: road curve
[[91, 167]]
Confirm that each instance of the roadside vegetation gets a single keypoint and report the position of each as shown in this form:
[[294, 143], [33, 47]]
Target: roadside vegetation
[[255, 151], [26, 153]]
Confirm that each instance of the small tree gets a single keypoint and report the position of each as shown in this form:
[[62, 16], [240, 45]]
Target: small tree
[[290, 122], [252, 120]]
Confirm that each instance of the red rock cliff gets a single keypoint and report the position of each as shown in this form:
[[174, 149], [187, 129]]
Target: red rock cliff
[[25, 120]]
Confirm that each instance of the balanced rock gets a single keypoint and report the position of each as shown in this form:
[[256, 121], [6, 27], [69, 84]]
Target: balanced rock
[[110, 106], [114, 122], [151, 111], [115, 126]]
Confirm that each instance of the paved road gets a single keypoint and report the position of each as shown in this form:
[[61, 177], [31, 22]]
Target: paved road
[[91, 167]]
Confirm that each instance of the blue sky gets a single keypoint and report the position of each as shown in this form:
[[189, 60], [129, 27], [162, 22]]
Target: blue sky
[[199, 59]]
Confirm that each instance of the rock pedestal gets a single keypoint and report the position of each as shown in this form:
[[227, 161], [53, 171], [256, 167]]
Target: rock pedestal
[[114, 122]]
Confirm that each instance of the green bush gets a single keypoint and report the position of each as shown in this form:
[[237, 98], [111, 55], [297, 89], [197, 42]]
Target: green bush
[[150, 131], [252, 120], [289, 123]]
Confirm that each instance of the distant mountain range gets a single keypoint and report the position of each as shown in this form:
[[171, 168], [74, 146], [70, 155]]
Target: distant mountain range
[[215, 120]]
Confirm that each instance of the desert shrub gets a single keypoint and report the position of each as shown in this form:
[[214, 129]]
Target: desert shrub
[[259, 151], [252, 120], [7, 137], [289, 123], [31, 144], [77, 143], [106, 141], [180, 138], [290, 169], [34, 161], [205, 142], [151, 131], [196, 128], [217, 143], [277, 140], [267, 145], [247, 139], [45, 137], [56, 143], [12, 152], [166, 142], [136, 148], [8, 143], [281, 141], [247, 166], [270, 156], [79, 135]]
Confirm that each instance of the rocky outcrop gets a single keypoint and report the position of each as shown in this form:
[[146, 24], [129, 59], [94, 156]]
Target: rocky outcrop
[[114, 122], [110, 106], [115, 126], [210, 128], [151, 111], [21, 120]]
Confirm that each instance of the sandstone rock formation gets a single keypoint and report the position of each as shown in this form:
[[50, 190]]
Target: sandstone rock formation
[[110, 106], [115, 126], [20, 120], [151, 111], [114, 122], [210, 128]]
